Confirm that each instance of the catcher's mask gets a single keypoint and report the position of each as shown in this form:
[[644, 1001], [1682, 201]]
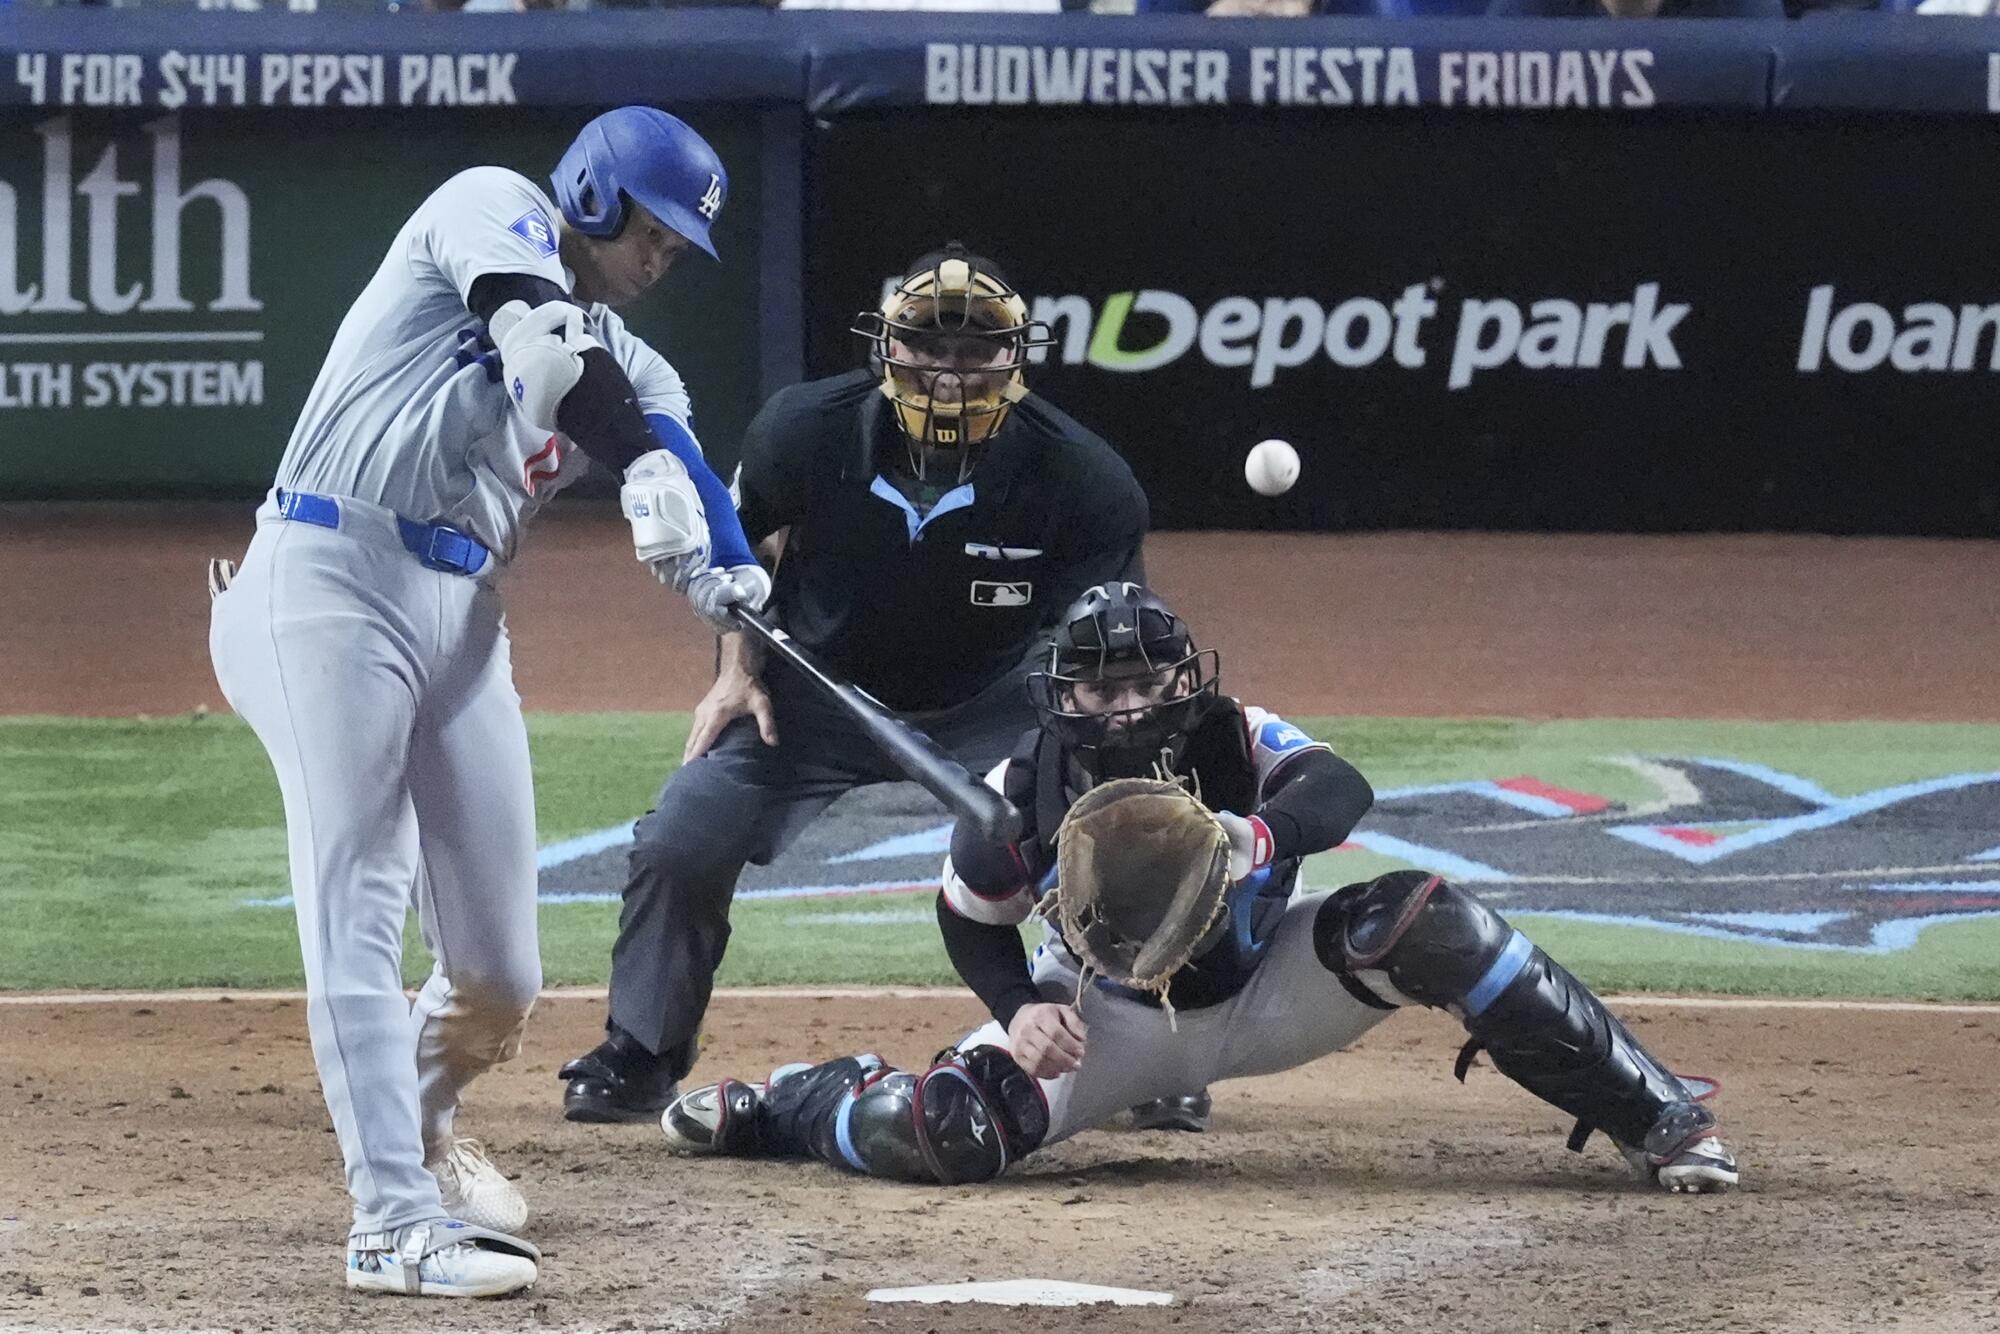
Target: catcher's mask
[[1124, 684], [951, 341]]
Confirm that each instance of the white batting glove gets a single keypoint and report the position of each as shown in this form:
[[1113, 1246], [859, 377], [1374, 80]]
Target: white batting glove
[[713, 592], [541, 355], [669, 526], [1250, 846]]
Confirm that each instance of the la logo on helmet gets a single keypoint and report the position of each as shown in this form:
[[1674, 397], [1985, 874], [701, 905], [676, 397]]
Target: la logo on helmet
[[711, 198]]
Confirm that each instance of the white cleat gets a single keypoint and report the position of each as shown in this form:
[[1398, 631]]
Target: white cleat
[[441, 1258], [474, 1191], [1703, 1167], [1681, 1156]]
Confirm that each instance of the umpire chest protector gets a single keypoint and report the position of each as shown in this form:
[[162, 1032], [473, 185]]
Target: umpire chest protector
[[924, 610]]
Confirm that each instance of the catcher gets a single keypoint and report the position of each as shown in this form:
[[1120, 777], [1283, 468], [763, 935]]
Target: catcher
[[1164, 827]]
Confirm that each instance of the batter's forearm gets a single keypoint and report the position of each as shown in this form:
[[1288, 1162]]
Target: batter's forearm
[[990, 959], [602, 414]]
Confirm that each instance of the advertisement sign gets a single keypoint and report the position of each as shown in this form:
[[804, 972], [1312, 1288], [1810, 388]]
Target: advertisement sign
[[1637, 323], [169, 284], [1184, 61]]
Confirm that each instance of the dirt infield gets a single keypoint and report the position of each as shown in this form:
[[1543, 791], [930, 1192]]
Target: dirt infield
[[106, 614], [171, 1165]]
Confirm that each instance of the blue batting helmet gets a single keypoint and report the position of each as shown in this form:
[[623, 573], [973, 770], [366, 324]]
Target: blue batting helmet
[[656, 159]]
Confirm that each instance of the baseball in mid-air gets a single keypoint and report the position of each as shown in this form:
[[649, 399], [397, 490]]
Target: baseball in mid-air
[[1271, 467]]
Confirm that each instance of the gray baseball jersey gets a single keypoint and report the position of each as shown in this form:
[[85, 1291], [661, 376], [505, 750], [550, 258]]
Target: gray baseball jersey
[[398, 418]]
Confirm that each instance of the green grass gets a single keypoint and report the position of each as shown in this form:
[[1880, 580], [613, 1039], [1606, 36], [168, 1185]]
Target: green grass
[[126, 848]]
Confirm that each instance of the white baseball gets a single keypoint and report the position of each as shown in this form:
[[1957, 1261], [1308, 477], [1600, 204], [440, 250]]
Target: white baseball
[[1271, 468]]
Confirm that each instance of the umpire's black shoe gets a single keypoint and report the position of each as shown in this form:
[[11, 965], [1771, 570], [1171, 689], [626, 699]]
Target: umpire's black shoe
[[618, 1081], [1189, 1112]]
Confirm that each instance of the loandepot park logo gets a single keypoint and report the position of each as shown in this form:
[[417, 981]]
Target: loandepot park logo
[[1425, 327], [1723, 849]]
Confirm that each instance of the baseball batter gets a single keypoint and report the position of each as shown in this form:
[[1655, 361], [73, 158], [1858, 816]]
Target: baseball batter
[[1266, 981], [364, 642]]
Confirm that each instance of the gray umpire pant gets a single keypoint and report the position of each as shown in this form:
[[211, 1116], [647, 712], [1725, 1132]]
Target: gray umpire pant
[[745, 802]]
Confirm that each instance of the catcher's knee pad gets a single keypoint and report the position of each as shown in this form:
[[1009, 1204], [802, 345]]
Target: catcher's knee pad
[[1413, 937], [965, 1119]]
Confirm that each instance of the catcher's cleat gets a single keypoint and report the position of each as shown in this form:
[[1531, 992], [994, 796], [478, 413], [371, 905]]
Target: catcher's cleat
[[1189, 1112], [618, 1081], [715, 1118], [1681, 1155], [441, 1258], [474, 1190]]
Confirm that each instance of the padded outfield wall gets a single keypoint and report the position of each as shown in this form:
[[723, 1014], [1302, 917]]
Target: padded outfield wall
[[1541, 275]]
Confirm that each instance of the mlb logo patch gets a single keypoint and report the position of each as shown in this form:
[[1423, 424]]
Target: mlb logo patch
[[533, 228], [990, 593]]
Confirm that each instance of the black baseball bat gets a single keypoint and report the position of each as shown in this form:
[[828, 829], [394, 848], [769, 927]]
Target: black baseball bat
[[908, 749]]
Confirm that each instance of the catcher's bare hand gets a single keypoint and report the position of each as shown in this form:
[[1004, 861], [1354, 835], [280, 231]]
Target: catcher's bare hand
[[1046, 1039]]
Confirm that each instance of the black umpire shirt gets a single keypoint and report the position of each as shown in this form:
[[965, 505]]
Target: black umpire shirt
[[923, 613]]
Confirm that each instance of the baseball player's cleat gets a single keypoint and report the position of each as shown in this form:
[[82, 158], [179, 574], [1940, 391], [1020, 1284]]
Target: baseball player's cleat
[[474, 1190], [1706, 1166], [1680, 1155], [618, 1081], [442, 1258], [715, 1118], [1188, 1112]]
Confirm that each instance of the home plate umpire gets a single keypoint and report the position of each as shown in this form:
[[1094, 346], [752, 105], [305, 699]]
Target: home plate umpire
[[928, 518]]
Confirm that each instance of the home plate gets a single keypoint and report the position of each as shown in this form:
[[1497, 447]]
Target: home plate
[[1024, 1292]]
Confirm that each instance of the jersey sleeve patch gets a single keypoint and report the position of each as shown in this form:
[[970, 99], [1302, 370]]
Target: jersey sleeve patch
[[537, 231], [1274, 741]]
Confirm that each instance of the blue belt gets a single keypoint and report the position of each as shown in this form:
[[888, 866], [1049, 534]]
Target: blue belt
[[436, 546]]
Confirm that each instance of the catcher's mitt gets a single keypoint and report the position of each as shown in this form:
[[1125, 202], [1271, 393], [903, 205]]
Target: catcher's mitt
[[1141, 866]]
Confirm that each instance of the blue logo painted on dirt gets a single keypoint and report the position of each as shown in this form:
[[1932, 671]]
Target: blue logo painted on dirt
[[1725, 849], [533, 228]]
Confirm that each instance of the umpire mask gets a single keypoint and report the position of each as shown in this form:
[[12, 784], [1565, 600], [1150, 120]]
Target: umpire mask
[[951, 341]]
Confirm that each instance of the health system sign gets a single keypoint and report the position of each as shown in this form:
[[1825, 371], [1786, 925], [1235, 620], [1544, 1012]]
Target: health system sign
[[169, 284], [115, 271]]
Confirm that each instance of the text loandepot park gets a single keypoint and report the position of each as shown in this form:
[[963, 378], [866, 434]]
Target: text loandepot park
[[1422, 328]]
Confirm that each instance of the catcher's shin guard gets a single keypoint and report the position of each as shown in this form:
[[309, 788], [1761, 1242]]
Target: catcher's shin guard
[[964, 1119], [1411, 937]]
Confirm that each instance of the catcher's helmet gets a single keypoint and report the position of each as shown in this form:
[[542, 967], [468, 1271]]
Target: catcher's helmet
[[951, 341], [1124, 683], [646, 155]]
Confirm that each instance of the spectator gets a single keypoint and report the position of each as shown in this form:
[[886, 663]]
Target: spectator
[[940, 6], [1257, 9], [497, 6], [1638, 9]]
